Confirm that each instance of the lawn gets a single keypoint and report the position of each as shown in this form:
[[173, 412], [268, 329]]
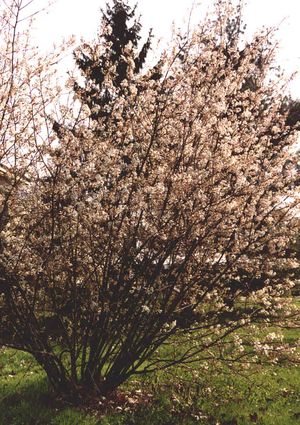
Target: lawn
[[268, 395]]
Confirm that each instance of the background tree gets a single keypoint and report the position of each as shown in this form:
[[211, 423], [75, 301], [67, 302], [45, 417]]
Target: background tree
[[28, 93], [118, 43], [105, 259], [24, 99]]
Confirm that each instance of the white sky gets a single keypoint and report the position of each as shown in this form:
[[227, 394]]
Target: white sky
[[81, 18]]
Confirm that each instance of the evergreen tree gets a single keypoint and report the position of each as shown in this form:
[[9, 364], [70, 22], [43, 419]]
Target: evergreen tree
[[116, 50]]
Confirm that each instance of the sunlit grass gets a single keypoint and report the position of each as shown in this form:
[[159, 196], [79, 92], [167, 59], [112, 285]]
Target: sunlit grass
[[265, 394]]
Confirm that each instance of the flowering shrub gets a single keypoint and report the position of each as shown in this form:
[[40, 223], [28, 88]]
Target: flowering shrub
[[170, 215]]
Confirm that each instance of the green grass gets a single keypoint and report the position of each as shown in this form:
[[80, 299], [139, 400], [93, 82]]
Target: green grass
[[24, 394], [266, 395], [271, 397]]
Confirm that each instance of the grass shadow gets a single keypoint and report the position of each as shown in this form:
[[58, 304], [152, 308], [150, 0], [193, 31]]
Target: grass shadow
[[25, 396]]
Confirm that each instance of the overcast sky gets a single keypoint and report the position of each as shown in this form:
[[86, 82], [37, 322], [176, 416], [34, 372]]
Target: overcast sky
[[81, 18]]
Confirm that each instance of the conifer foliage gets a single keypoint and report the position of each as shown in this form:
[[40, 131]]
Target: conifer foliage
[[118, 44]]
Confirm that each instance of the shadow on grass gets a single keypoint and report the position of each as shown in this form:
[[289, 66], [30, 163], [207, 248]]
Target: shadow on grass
[[268, 398], [25, 397], [31, 403]]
